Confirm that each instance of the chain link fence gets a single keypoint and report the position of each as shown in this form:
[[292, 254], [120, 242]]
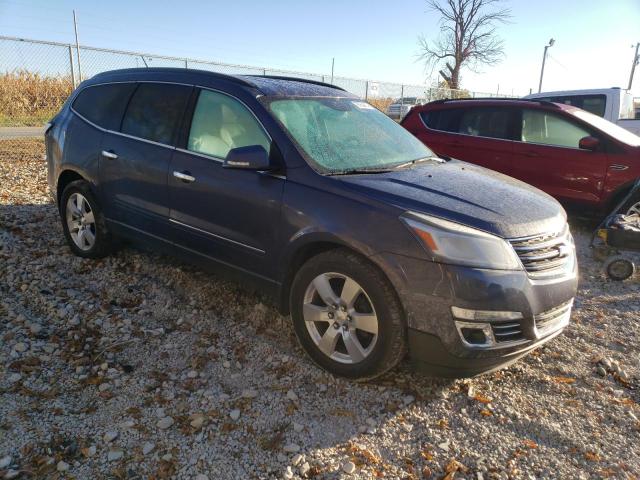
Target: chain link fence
[[36, 77]]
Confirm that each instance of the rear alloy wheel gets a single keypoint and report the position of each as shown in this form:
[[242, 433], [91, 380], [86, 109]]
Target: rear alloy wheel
[[347, 316], [82, 221], [634, 209]]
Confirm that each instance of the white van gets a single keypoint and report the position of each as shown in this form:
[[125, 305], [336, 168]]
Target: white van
[[614, 104]]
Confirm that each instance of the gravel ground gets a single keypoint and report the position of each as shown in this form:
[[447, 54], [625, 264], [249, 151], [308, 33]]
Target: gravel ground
[[138, 366]]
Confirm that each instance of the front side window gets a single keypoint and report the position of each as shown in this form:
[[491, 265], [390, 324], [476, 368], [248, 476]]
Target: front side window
[[104, 105], [491, 122], [340, 135], [539, 126], [155, 111], [221, 123]]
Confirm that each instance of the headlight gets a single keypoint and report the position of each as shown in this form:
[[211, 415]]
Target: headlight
[[450, 242]]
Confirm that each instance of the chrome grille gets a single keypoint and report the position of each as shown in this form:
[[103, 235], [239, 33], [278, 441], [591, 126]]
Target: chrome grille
[[553, 319], [546, 254], [506, 332]]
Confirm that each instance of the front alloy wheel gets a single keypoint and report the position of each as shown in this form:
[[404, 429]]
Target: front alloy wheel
[[344, 325], [347, 315]]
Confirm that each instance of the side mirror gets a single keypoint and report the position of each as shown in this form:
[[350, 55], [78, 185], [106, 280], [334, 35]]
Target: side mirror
[[252, 157], [588, 143]]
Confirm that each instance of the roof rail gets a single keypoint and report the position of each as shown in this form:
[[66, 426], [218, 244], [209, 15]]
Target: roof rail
[[189, 71], [532, 100], [297, 79]]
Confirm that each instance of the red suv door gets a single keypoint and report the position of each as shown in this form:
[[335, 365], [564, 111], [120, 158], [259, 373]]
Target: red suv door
[[477, 134], [547, 156]]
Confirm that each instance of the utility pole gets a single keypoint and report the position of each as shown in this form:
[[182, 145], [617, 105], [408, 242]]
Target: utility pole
[[544, 58], [636, 60], [75, 27], [333, 60]]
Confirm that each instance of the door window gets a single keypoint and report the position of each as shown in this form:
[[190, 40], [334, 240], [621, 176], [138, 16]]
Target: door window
[[221, 123], [539, 126], [443, 120], [491, 122], [155, 111], [104, 105]]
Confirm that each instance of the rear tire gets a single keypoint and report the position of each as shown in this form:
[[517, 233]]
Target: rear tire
[[347, 316], [83, 223], [619, 268]]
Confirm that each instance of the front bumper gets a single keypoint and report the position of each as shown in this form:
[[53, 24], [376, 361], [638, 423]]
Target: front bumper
[[429, 290]]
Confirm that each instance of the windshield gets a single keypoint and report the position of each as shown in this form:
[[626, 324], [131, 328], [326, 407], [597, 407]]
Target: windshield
[[343, 134], [609, 128]]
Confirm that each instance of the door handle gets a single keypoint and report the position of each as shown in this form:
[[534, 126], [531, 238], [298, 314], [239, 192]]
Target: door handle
[[185, 177], [531, 154], [616, 166], [109, 154]]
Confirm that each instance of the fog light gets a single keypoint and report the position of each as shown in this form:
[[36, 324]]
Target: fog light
[[476, 334], [484, 315]]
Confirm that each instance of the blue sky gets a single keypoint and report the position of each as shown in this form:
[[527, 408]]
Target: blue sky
[[375, 39]]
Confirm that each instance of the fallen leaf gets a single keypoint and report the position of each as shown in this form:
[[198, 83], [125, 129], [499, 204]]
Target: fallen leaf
[[592, 456], [481, 398], [563, 379], [530, 444]]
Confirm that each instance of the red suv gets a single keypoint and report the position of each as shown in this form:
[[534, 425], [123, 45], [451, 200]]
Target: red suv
[[573, 155]]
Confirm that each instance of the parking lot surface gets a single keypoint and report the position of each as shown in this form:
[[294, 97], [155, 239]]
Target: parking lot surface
[[139, 366]]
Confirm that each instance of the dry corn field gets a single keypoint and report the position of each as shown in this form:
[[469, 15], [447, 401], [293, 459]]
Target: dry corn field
[[30, 99]]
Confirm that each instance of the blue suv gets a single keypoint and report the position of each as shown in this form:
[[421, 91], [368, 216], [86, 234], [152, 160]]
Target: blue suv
[[373, 244]]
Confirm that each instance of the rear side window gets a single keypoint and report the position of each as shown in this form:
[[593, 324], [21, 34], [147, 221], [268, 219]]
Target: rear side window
[[155, 111], [221, 123], [491, 122], [444, 120], [539, 126], [104, 105]]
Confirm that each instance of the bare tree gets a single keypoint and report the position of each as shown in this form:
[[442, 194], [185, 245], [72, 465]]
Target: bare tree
[[467, 37]]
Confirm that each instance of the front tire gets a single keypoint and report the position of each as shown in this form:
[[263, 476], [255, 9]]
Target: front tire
[[347, 316], [83, 223]]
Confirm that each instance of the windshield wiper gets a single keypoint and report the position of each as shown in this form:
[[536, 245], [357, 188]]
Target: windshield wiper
[[419, 160], [355, 171]]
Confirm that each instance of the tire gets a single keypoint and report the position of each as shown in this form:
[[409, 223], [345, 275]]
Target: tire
[[619, 268], [364, 339], [79, 210]]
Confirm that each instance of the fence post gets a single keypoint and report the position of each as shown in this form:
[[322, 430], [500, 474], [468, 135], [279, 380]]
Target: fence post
[[73, 75], [366, 90], [264, 72], [186, 63], [401, 100]]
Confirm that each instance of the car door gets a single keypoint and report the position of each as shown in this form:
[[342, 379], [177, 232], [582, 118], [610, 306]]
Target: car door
[[478, 134], [228, 215], [135, 159], [547, 156]]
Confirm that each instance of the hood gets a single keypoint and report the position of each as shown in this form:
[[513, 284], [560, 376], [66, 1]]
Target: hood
[[466, 194]]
